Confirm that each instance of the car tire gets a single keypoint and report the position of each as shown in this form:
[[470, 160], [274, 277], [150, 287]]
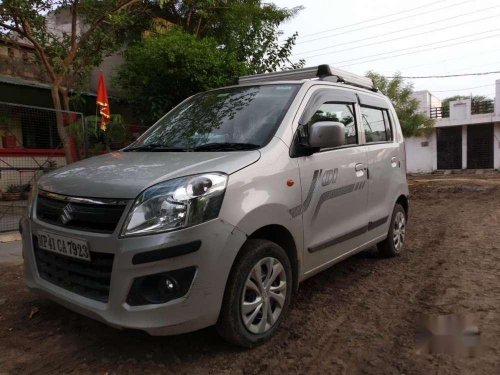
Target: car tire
[[393, 245], [241, 324]]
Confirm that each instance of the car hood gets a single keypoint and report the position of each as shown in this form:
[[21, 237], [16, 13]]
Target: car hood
[[126, 174]]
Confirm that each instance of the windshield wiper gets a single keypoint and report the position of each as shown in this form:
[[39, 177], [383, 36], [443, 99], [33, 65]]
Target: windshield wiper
[[226, 147], [156, 148]]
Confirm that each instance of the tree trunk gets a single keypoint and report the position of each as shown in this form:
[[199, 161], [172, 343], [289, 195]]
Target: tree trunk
[[198, 28], [65, 98], [64, 91], [188, 21], [61, 130]]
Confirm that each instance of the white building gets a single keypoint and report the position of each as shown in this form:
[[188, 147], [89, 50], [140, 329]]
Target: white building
[[467, 136], [60, 22]]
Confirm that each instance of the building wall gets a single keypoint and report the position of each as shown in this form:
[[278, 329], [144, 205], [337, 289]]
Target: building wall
[[434, 101], [108, 67], [19, 60], [423, 159], [496, 146], [460, 110], [426, 101], [61, 22], [421, 154]]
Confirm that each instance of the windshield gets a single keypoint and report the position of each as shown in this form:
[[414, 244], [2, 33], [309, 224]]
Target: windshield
[[237, 118]]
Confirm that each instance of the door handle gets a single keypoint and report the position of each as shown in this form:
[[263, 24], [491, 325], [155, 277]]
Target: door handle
[[359, 167], [394, 162]]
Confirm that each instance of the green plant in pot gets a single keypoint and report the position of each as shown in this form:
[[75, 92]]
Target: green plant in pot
[[116, 135], [13, 193], [49, 165]]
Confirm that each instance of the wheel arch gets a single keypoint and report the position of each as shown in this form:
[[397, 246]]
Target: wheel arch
[[405, 202], [283, 237]]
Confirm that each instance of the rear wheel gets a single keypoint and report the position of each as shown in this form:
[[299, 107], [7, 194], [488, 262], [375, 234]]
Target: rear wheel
[[393, 245], [257, 294]]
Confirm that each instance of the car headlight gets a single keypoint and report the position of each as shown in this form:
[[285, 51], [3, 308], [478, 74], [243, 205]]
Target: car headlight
[[175, 204]]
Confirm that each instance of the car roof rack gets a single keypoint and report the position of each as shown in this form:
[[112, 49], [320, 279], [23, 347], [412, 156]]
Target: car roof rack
[[321, 72]]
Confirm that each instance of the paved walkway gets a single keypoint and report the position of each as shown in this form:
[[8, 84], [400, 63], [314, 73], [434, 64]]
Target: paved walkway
[[10, 248]]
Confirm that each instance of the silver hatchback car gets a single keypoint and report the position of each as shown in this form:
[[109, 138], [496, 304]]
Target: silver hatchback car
[[217, 213]]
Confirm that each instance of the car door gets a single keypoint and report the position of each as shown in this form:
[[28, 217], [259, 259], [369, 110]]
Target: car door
[[334, 189], [384, 164]]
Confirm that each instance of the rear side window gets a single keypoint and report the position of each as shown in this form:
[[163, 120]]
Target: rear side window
[[339, 112], [376, 124]]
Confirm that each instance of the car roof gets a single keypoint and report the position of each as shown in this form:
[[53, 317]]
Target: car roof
[[313, 82]]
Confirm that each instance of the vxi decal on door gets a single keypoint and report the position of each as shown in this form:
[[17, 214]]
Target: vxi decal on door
[[296, 211], [328, 177]]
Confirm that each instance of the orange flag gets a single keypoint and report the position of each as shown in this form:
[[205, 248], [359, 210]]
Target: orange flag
[[102, 102]]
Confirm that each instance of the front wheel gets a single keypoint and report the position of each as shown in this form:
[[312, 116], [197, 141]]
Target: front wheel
[[394, 243], [257, 295]]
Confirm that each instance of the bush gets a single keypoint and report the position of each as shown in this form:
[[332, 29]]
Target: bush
[[161, 71], [18, 188]]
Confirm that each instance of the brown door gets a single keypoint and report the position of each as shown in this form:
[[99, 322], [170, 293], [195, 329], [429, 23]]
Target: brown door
[[480, 146], [449, 147]]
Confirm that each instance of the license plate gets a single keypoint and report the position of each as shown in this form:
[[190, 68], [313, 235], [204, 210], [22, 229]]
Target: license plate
[[70, 247]]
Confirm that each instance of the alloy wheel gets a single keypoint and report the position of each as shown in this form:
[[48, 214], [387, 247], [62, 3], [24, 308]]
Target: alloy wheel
[[264, 295], [399, 231]]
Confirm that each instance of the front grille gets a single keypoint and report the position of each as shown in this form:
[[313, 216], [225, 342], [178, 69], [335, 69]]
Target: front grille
[[88, 217], [88, 279]]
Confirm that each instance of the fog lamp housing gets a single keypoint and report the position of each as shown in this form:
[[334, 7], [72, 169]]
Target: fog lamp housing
[[161, 287]]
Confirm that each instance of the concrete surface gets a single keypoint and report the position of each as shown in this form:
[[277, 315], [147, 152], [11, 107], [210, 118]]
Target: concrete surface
[[11, 253], [10, 236]]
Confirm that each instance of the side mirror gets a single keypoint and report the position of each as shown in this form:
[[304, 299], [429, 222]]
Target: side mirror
[[326, 134]]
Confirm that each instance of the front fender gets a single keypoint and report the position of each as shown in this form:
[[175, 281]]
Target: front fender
[[261, 194], [272, 214]]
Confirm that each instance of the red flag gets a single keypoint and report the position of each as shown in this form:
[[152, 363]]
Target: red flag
[[102, 102]]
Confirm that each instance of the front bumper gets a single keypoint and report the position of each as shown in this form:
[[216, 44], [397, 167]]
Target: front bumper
[[199, 308]]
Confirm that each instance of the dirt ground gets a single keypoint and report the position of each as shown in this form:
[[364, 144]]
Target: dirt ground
[[359, 317]]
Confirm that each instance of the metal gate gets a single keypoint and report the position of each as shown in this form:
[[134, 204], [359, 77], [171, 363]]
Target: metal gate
[[480, 146], [449, 147], [30, 147]]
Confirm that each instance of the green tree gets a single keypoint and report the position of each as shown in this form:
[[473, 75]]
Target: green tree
[[163, 70], [445, 103], [194, 46], [97, 29], [248, 28], [413, 122]]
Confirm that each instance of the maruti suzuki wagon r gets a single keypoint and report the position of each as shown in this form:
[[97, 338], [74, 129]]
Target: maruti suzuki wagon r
[[217, 213]]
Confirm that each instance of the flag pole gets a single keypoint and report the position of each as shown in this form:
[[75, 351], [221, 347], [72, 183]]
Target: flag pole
[[96, 104]]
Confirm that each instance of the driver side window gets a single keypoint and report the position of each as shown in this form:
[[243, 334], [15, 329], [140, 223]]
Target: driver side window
[[339, 112]]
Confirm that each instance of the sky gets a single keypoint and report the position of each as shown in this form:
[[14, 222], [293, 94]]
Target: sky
[[415, 38]]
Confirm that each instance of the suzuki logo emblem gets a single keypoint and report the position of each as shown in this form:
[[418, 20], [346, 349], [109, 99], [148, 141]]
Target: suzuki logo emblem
[[66, 216]]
